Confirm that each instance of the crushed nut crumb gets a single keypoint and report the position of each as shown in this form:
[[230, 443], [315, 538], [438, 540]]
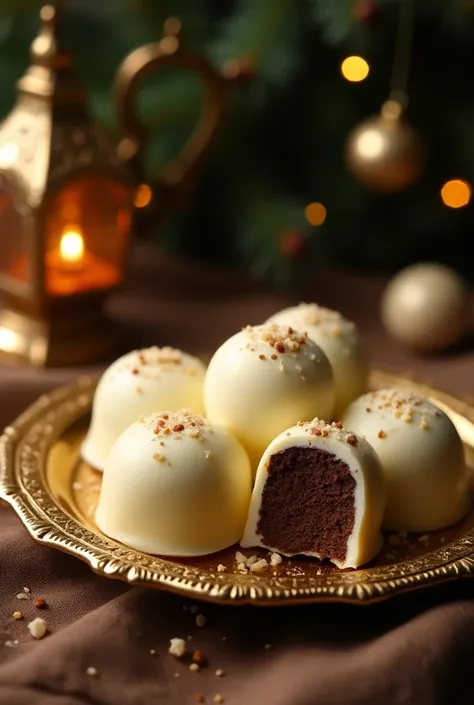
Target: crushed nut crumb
[[218, 698], [275, 559], [22, 596], [11, 643], [259, 566], [153, 652], [424, 424], [381, 434], [92, 671], [17, 615], [424, 539], [201, 620], [40, 604], [183, 422], [200, 658], [221, 568], [177, 647], [240, 558], [199, 698], [194, 667], [37, 628], [220, 673]]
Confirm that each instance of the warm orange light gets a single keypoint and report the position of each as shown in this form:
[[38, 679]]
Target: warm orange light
[[355, 69], [71, 246], [315, 213], [456, 193], [143, 196]]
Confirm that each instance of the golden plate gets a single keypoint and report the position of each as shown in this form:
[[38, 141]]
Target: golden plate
[[54, 494]]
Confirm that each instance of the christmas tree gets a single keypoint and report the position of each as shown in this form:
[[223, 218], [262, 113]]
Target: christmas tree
[[275, 189]]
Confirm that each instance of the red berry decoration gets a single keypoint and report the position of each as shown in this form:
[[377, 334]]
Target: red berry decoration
[[365, 11], [291, 244]]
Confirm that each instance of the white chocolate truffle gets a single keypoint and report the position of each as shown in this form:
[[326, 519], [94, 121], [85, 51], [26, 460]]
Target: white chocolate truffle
[[265, 379], [340, 341], [422, 455], [319, 491], [137, 384], [175, 485]]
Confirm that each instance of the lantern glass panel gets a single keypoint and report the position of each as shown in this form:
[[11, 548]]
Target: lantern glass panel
[[15, 232], [87, 226]]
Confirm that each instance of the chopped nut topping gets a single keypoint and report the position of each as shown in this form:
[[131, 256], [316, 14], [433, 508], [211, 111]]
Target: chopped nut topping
[[201, 620], [207, 454], [40, 604], [283, 339], [183, 422], [381, 434], [251, 561], [220, 673], [159, 457], [37, 628], [403, 404], [352, 440], [221, 568], [92, 671], [177, 647], [424, 424], [22, 596], [194, 667], [17, 615], [259, 566]]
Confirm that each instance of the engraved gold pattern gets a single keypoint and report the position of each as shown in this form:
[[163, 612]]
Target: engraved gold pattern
[[24, 449]]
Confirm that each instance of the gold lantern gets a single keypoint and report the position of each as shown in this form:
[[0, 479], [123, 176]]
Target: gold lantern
[[66, 202]]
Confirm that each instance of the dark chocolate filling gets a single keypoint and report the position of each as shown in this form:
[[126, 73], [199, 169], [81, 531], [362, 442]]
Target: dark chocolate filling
[[307, 503]]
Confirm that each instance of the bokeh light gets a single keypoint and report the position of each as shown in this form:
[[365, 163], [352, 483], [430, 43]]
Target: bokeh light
[[456, 193], [143, 196], [315, 213], [355, 69]]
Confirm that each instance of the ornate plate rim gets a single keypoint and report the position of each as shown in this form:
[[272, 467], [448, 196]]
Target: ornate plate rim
[[23, 451]]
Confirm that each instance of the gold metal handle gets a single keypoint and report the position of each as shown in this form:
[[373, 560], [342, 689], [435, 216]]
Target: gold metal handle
[[139, 64]]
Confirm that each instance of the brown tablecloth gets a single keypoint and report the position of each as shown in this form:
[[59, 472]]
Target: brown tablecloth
[[414, 649]]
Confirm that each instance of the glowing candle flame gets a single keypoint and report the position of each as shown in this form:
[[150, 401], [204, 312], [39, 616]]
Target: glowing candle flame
[[71, 246]]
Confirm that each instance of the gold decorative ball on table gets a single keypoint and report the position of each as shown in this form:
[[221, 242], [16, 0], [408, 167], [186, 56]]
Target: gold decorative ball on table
[[426, 307], [385, 153]]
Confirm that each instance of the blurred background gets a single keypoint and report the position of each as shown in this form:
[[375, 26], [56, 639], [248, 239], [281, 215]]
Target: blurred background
[[275, 190]]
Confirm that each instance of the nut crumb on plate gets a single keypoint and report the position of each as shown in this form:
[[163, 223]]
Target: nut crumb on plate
[[92, 671], [201, 620], [17, 615], [177, 647], [37, 628], [193, 667], [200, 658], [240, 558], [220, 673], [40, 604], [218, 698], [275, 559], [221, 568], [259, 566]]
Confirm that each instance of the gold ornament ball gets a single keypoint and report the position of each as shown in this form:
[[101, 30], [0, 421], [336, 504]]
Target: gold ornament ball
[[426, 307], [384, 153]]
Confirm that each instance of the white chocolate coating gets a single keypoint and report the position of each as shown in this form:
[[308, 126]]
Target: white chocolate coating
[[137, 384], [365, 540], [340, 341], [263, 380], [175, 485], [423, 458]]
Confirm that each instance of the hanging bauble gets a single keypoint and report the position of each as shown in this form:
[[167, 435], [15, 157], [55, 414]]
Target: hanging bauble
[[426, 307], [291, 244], [385, 153]]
